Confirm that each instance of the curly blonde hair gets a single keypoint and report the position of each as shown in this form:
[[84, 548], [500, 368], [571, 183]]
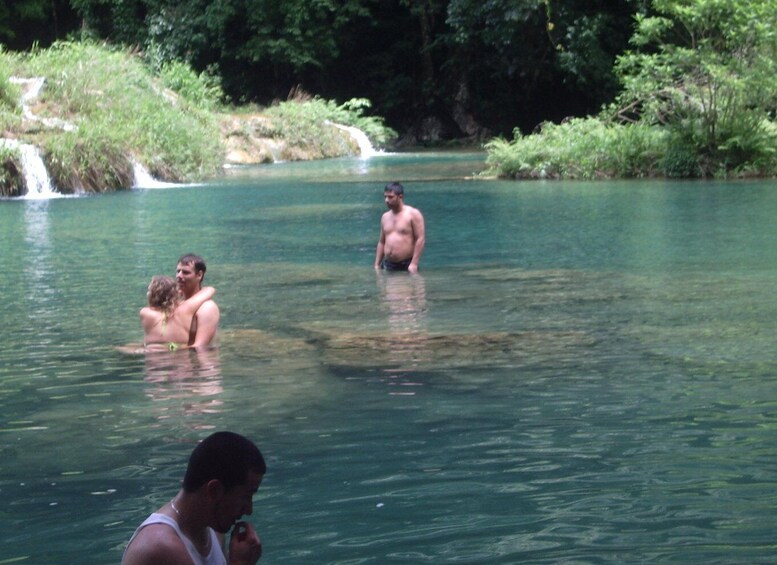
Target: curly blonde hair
[[163, 294]]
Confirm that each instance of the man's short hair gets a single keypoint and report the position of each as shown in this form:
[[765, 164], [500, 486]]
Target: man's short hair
[[196, 260], [225, 456], [396, 188]]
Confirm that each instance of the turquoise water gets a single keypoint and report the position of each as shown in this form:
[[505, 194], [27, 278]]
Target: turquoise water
[[583, 372]]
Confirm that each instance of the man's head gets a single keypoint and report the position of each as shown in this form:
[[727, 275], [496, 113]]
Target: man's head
[[393, 195], [189, 273], [227, 469]]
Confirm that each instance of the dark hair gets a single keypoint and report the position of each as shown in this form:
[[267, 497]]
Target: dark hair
[[196, 260], [395, 187], [225, 456]]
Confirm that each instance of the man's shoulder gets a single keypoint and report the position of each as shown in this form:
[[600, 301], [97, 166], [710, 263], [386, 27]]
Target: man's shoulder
[[412, 212], [156, 543], [208, 307]]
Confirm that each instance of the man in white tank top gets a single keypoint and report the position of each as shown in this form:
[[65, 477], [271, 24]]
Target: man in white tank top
[[224, 472]]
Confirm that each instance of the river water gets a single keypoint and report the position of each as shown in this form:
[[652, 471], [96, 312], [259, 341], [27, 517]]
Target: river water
[[581, 373]]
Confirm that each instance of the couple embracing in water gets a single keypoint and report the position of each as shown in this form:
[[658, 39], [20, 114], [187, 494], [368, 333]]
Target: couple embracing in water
[[181, 312]]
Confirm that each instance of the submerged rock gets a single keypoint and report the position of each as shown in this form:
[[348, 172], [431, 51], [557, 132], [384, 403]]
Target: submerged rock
[[430, 351]]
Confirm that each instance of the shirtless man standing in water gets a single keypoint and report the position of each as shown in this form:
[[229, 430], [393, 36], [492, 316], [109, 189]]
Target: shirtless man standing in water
[[402, 236], [189, 274]]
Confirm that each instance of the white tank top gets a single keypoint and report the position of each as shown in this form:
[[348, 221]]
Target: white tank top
[[216, 555]]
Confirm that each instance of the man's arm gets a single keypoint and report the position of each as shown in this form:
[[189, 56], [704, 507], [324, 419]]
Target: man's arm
[[207, 323], [381, 243], [419, 232]]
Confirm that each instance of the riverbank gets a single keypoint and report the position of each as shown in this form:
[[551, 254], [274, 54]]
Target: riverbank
[[93, 116]]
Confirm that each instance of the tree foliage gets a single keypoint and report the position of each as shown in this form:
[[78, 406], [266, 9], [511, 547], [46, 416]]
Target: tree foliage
[[699, 97], [27, 22], [436, 68], [706, 70]]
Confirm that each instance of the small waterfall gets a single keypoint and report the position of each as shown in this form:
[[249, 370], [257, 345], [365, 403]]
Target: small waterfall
[[365, 146], [143, 178], [36, 177], [32, 88]]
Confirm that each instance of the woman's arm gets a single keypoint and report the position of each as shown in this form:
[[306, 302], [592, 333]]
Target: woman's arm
[[191, 305]]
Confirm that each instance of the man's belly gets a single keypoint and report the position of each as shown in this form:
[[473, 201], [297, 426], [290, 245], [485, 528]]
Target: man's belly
[[398, 248]]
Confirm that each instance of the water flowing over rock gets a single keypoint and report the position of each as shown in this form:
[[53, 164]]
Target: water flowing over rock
[[144, 179], [365, 146], [36, 177], [31, 90], [252, 139]]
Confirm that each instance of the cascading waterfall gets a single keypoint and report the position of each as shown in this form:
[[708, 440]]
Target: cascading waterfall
[[143, 178], [32, 88], [37, 180], [36, 177], [365, 146]]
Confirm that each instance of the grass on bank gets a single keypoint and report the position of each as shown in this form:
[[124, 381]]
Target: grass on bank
[[592, 148], [125, 110], [304, 115], [119, 116], [304, 126], [581, 148]]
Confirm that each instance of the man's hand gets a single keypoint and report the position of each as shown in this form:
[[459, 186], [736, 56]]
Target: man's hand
[[245, 547]]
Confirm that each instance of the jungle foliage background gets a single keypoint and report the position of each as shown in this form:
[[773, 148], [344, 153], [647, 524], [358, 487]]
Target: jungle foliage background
[[552, 88], [435, 69]]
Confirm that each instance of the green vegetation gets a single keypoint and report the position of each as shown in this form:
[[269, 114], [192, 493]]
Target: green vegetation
[[102, 109], [201, 90], [10, 175], [698, 99], [682, 88], [10, 112], [581, 148], [306, 123], [439, 71]]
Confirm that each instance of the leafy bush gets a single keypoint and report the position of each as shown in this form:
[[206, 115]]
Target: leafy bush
[[581, 148], [201, 90], [681, 161]]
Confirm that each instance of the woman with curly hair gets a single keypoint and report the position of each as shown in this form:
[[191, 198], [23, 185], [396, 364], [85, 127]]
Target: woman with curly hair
[[167, 320]]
